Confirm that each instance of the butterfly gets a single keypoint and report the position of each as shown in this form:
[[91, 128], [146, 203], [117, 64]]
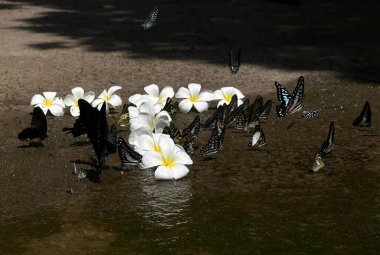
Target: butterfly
[[234, 65], [309, 115], [173, 132], [123, 120], [364, 119], [111, 139], [171, 107], [214, 144], [327, 145], [289, 103], [190, 143], [97, 131], [211, 122], [193, 128], [78, 128], [318, 163], [37, 129], [258, 139], [151, 20], [237, 119], [126, 154], [265, 110], [231, 107]]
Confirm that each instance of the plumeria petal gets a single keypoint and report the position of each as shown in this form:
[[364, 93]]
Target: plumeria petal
[[56, 110], [152, 90], [179, 171], [44, 109], [160, 125], [182, 93], [218, 94], [70, 100], [145, 142], [167, 146], [135, 98], [37, 99], [115, 100], [89, 96], [201, 106], [78, 92], [164, 115], [238, 93], [165, 93], [206, 95], [49, 95], [151, 159], [164, 173], [185, 105], [181, 157], [194, 89], [135, 134], [58, 101], [97, 103], [113, 89], [74, 111]]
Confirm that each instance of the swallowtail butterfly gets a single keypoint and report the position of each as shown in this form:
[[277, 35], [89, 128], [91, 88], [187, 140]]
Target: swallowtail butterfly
[[126, 154], [289, 103], [327, 145], [364, 119]]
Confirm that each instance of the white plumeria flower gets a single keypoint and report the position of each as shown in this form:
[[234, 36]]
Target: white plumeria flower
[[135, 134], [145, 116], [225, 95], [109, 98], [48, 102], [72, 99], [193, 97], [148, 142], [171, 161], [159, 98], [138, 99]]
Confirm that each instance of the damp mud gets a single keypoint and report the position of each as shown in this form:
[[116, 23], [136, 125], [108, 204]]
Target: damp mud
[[241, 202]]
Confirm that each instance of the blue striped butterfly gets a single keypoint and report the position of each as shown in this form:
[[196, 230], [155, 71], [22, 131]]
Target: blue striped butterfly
[[214, 144], [234, 64], [327, 145], [127, 155], [289, 103], [310, 114], [151, 20]]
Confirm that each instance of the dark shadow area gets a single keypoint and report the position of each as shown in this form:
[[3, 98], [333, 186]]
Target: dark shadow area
[[8, 6], [287, 34]]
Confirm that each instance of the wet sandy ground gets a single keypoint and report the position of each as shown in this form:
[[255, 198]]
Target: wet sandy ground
[[254, 202]]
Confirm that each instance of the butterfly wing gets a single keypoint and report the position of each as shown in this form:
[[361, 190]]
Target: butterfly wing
[[78, 128], [364, 119], [193, 128], [38, 127], [152, 19], [126, 154], [171, 107], [215, 142], [282, 94], [111, 139], [265, 110], [328, 144], [123, 120], [258, 138], [296, 99], [190, 143]]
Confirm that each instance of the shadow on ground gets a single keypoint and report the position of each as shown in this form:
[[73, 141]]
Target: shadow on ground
[[290, 35]]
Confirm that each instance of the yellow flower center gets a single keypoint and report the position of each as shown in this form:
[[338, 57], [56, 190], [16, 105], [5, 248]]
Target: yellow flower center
[[48, 103], [227, 98], [76, 104], [106, 98], [161, 100], [193, 99], [167, 162]]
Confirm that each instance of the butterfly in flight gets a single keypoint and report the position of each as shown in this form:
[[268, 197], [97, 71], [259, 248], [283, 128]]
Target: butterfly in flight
[[327, 145], [214, 144], [151, 20], [127, 155], [234, 64], [364, 119], [289, 103], [258, 139], [37, 129]]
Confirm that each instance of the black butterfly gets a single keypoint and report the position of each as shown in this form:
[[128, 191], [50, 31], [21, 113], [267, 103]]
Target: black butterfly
[[258, 139], [234, 65], [289, 103], [237, 119], [214, 144], [364, 119], [78, 128], [37, 129], [127, 155], [151, 20], [211, 122], [231, 107], [171, 107], [193, 128], [265, 110], [111, 139], [327, 145], [97, 131]]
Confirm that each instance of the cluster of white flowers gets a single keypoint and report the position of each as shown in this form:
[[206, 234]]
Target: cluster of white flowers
[[49, 102], [147, 119]]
